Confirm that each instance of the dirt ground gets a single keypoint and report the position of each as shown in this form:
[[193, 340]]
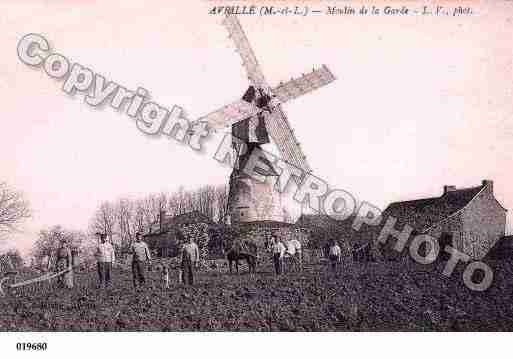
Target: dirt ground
[[361, 297]]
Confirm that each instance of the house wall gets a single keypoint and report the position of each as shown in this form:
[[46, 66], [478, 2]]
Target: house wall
[[453, 226], [164, 244], [477, 227], [169, 245], [484, 223]]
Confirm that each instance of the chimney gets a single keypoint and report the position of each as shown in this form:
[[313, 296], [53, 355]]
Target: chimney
[[449, 188], [162, 215], [489, 184]]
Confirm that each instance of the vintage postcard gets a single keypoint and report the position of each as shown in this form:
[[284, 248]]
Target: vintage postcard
[[249, 166]]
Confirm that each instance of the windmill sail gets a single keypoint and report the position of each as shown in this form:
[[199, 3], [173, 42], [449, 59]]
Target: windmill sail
[[242, 109], [250, 112], [280, 131], [245, 51], [304, 84], [230, 114]]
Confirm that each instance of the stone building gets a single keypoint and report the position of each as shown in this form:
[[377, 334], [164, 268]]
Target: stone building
[[162, 240], [469, 219], [260, 232]]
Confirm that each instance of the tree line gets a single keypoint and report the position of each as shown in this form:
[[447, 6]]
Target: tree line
[[14, 209], [122, 218]]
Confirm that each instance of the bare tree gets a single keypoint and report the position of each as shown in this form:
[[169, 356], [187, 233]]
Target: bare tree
[[189, 198], [139, 215], [104, 220], [206, 201], [128, 216], [11, 260], [203, 200], [173, 204], [49, 240], [152, 206], [13, 209], [221, 196], [125, 218]]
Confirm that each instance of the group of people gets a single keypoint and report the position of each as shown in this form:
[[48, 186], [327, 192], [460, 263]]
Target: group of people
[[281, 249], [65, 261], [106, 258], [141, 259]]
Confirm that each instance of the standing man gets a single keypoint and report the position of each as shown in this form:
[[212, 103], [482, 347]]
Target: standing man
[[190, 260], [106, 258], [140, 255], [295, 252], [335, 254], [64, 262], [278, 250]]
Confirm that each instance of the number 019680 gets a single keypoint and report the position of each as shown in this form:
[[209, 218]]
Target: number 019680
[[31, 346]]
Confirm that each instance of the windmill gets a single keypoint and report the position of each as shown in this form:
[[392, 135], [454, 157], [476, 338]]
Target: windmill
[[255, 119]]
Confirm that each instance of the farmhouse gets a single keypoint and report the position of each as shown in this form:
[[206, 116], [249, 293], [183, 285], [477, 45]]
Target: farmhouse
[[261, 231], [162, 239], [168, 222], [469, 219]]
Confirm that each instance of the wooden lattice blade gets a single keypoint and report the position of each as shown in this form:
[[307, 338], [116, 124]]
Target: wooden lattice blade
[[304, 84], [282, 135], [230, 114], [249, 61]]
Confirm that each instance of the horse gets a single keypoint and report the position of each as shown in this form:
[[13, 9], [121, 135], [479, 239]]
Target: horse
[[248, 254]]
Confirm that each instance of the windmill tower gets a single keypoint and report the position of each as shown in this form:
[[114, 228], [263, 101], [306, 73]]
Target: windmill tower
[[256, 119]]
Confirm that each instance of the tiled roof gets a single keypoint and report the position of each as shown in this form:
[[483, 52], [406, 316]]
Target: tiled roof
[[424, 213], [420, 214], [186, 218]]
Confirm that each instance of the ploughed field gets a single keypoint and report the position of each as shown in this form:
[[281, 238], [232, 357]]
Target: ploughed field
[[361, 297]]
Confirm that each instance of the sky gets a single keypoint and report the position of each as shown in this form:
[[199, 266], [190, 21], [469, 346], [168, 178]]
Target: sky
[[419, 101]]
